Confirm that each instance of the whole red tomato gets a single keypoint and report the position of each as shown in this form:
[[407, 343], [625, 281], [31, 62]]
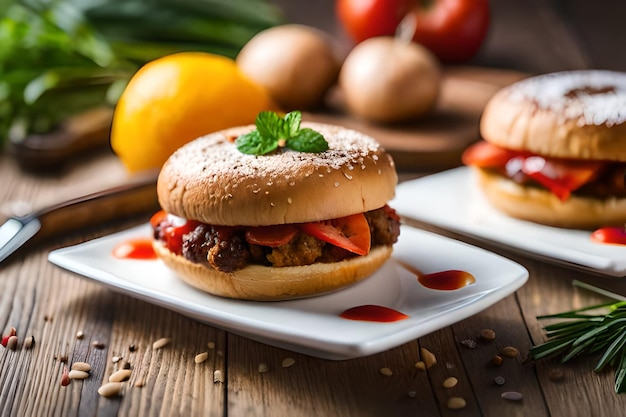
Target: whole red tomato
[[363, 19], [452, 29]]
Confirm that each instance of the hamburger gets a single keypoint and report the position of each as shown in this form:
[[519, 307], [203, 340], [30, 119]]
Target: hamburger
[[277, 224], [554, 149]]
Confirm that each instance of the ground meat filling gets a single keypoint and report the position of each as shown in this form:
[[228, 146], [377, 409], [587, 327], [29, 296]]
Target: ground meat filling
[[226, 249]]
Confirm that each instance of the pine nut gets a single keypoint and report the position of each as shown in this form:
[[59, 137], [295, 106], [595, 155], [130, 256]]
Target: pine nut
[[29, 342], [420, 365], [201, 357], [428, 357], [161, 343], [386, 371], [12, 342], [510, 351], [110, 389], [81, 366], [456, 403], [512, 396], [121, 375], [450, 382], [80, 334], [263, 367], [488, 334], [287, 362], [74, 374]]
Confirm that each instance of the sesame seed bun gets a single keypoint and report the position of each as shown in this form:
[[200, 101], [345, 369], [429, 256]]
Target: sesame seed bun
[[571, 114], [209, 180]]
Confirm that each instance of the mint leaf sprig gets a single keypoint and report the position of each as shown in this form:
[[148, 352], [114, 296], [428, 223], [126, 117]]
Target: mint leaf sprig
[[273, 132], [586, 334]]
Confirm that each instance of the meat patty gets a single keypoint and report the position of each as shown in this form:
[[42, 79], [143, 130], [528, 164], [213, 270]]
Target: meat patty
[[226, 248]]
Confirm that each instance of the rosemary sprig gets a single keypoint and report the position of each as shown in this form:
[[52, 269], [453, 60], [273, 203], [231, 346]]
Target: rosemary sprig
[[584, 334]]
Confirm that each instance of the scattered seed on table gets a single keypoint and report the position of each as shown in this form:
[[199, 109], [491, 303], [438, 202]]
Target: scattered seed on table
[[120, 376], [287, 362], [510, 351], [469, 343], [140, 383], [201, 357], [488, 334], [161, 343], [420, 365], [456, 403], [61, 358], [132, 348], [386, 371], [65, 377], [497, 360], [218, 377], [110, 389], [126, 365], [29, 342], [499, 380], [263, 367], [74, 374], [97, 344], [450, 382], [211, 345], [81, 366], [555, 375], [428, 357], [116, 359], [12, 343], [80, 334], [412, 394], [512, 396]]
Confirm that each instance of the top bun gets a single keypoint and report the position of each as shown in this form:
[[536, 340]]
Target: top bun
[[209, 180], [571, 114]]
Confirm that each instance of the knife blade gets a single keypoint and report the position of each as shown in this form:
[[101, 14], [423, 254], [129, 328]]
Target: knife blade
[[137, 196]]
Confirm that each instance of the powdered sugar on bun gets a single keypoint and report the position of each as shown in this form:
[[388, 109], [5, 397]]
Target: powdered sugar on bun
[[593, 97], [570, 114], [211, 181]]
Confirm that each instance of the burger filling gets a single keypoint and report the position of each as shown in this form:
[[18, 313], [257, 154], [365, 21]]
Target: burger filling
[[229, 248], [591, 178]]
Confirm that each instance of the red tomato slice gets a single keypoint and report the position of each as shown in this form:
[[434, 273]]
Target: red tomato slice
[[351, 233], [609, 235], [272, 236], [561, 176], [487, 155]]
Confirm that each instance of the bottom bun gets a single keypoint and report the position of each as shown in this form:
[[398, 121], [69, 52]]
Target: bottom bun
[[264, 283], [541, 206]]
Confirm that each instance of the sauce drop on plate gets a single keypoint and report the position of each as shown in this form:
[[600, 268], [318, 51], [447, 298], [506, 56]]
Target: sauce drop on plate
[[447, 280], [135, 249], [370, 312], [609, 235]]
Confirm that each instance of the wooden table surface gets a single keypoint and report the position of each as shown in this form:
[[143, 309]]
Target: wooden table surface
[[52, 305]]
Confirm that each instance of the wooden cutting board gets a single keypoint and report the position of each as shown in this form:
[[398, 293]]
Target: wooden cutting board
[[436, 141]]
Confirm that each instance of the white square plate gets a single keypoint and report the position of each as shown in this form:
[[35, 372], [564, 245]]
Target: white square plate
[[313, 326], [451, 200]]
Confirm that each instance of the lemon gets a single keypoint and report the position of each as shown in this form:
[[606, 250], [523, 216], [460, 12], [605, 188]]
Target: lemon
[[177, 98]]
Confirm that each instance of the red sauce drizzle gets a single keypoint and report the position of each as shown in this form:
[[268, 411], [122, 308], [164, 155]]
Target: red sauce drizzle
[[135, 249], [372, 312], [447, 280], [609, 235]]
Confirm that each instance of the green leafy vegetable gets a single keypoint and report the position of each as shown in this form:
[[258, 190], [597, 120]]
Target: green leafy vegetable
[[273, 132], [61, 57], [587, 334]]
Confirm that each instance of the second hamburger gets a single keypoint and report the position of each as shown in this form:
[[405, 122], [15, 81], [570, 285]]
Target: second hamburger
[[554, 149], [280, 225]]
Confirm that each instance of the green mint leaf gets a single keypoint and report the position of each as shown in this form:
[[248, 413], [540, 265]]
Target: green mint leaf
[[268, 124], [254, 143], [307, 140], [273, 131], [292, 124]]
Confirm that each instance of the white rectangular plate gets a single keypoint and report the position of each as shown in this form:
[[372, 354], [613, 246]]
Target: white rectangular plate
[[451, 200], [312, 326]]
